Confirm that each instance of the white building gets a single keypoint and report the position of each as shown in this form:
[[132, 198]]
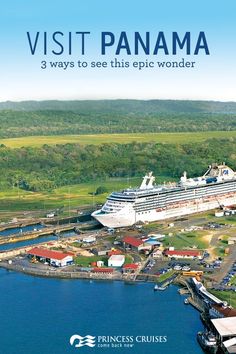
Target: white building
[[157, 254], [89, 239], [226, 332], [116, 260], [54, 258]]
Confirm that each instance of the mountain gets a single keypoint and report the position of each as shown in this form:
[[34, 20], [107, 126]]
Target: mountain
[[124, 106]]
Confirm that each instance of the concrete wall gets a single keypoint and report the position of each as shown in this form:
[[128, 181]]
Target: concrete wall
[[13, 253]]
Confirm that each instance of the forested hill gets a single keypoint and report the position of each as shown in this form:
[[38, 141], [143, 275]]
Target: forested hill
[[49, 167], [113, 116], [124, 106]]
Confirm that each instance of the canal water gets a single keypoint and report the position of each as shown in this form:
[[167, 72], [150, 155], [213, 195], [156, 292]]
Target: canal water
[[39, 315], [17, 230], [35, 241]]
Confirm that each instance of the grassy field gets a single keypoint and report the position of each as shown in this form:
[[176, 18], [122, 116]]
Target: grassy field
[[233, 281], [86, 261], [186, 240], [228, 296], [165, 276], [168, 138], [68, 197]]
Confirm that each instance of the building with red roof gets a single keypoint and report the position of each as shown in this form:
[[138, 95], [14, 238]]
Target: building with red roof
[[183, 254], [135, 243], [114, 252], [55, 258], [102, 270], [130, 267], [132, 241], [219, 311]]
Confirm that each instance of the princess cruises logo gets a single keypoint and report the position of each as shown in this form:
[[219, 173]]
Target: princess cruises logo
[[78, 341], [115, 342]]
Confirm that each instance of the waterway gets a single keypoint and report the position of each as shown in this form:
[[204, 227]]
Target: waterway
[[39, 315], [17, 230], [35, 241]]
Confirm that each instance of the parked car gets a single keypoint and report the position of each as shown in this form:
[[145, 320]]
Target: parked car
[[177, 267], [186, 268]]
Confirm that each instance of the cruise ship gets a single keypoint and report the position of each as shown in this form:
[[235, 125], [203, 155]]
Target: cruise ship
[[150, 202]]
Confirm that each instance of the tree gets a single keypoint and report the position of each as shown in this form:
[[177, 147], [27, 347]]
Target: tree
[[101, 190]]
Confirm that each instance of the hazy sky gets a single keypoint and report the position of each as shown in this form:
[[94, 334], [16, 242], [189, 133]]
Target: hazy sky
[[213, 76]]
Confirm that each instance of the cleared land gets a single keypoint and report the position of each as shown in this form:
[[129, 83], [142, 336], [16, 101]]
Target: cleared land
[[97, 139], [68, 197], [87, 261], [228, 296], [187, 240]]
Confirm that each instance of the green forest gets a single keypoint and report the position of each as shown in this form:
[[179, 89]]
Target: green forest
[[114, 116], [49, 167]]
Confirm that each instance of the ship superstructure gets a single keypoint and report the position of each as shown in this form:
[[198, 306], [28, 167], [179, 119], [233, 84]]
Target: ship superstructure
[[150, 202]]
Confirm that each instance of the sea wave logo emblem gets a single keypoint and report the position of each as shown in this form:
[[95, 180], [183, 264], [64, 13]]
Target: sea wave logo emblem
[[78, 341]]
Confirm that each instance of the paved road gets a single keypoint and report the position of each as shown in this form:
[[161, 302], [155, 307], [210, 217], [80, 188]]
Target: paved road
[[227, 264], [185, 222]]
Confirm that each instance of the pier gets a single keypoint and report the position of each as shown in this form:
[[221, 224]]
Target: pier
[[193, 299]]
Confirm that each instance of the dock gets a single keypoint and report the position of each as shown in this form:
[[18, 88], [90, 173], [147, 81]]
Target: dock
[[183, 291], [193, 299]]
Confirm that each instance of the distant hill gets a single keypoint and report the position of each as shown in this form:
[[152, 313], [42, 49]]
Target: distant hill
[[124, 106], [114, 116]]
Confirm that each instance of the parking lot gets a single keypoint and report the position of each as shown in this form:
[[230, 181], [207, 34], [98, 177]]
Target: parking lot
[[229, 280], [162, 266]]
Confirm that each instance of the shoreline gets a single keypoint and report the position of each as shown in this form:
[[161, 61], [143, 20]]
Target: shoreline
[[58, 274], [194, 300], [62, 275]]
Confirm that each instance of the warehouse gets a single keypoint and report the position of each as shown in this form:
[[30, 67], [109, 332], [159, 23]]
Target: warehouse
[[225, 329], [54, 258], [191, 254], [134, 243]]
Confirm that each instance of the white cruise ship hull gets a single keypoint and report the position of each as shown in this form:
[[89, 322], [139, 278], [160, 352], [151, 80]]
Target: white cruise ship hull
[[216, 188], [129, 217]]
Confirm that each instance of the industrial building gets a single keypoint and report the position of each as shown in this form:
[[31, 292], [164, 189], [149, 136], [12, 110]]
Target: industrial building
[[133, 243], [221, 311], [182, 254], [136, 244], [54, 258], [225, 329]]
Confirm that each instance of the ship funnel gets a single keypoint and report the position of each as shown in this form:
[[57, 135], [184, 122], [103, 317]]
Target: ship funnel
[[148, 181], [183, 179]]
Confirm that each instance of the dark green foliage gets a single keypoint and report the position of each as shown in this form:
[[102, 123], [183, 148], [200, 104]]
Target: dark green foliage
[[101, 190], [124, 106], [113, 116], [48, 167]]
